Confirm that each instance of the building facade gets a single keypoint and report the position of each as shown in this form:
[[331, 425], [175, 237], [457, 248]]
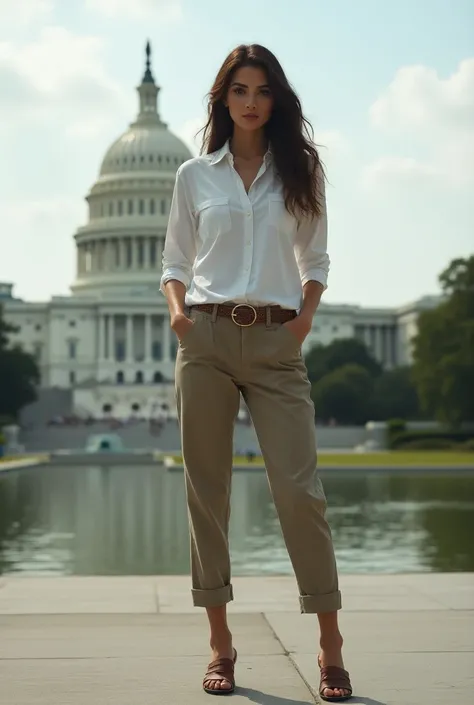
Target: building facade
[[110, 341]]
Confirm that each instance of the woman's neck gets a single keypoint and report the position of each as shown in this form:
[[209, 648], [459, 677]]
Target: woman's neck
[[248, 145]]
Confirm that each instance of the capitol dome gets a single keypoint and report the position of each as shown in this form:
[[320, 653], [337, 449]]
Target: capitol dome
[[147, 145], [120, 248], [145, 148]]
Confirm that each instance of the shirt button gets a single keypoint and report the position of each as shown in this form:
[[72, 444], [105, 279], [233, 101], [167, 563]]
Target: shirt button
[[248, 214]]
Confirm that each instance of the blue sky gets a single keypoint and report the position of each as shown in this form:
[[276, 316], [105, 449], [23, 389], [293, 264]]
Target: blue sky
[[388, 86]]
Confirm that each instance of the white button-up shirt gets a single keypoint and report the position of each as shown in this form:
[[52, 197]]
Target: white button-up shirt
[[225, 244]]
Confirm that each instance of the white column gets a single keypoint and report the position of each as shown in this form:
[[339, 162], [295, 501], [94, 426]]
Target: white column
[[385, 349], [129, 338], [123, 253], [148, 357], [394, 344], [391, 346], [112, 337], [367, 340], [146, 253], [79, 260], [378, 344], [110, 259], [166, 340], [100, 337], [106, 342]]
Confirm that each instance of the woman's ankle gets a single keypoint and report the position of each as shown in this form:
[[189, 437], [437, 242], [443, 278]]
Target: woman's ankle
[[221, 640], [331, 641]]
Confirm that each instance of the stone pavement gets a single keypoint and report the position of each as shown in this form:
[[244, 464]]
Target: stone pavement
[[409, 639]]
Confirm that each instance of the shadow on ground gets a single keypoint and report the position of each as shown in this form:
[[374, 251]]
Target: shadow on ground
[[256, 696]]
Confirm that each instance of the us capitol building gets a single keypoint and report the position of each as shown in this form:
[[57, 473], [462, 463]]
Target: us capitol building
[[110, 342]]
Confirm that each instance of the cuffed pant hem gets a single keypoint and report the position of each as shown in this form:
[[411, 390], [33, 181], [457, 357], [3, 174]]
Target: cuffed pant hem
[[213, 598], [311, 604]]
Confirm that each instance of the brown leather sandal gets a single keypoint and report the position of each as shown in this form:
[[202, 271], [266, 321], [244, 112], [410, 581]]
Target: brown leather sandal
[[334, 677], [222, 669]]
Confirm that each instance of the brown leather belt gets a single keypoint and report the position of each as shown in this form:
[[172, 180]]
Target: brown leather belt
[[245, 315]]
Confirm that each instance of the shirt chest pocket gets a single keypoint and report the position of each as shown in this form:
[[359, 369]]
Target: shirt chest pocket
[[279, 219], [213, 216]]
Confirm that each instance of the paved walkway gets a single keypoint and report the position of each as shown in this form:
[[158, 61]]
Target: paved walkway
[[139, 641]]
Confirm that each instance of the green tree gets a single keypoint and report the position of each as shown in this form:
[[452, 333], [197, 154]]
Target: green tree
[[344, 395], [19, 374], [443, 352], [322, 359], [395, 395]]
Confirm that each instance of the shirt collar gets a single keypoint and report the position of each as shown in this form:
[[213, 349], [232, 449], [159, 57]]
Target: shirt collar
[[219, 155], [224, 151]]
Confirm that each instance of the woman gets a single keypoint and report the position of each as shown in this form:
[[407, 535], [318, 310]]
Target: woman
[[244, 267]]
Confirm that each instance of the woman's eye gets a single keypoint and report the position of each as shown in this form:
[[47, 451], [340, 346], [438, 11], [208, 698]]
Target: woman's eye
[[238, 91]]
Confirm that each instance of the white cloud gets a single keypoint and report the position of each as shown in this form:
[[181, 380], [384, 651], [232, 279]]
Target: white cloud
[[431, 116], [161, 10], [24, 12], [60, 78], [418, 99], [39, 244], [398, 171]]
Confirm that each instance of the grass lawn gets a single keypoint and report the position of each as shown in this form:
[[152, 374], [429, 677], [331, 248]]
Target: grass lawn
[[9, 458], [406, 458]]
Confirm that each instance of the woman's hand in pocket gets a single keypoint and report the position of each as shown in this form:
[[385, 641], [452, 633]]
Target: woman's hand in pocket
[[180, 325], [299, 327]]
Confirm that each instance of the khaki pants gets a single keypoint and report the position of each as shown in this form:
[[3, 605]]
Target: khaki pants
[[217, 360]]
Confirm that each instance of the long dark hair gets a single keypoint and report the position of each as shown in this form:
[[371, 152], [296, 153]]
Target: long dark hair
[[289, 133]]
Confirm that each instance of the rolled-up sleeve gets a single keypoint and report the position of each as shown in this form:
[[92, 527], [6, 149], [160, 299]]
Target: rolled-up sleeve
[[179, 251], [311, 243]]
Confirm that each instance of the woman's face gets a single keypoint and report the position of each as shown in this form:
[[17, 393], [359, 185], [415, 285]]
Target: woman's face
[[249, 99]]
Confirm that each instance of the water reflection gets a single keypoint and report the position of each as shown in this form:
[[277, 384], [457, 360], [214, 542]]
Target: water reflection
[[133, 521]]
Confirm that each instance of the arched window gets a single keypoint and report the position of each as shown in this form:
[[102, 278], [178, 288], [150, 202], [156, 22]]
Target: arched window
[[130, 207], [157, 377], [139, 378], [111, 208], [141, 206], [120, 378], [120, 208], [163, 206], [152, 206]]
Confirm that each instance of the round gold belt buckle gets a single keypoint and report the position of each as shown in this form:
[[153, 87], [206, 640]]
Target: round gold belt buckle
[[234, 315]]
